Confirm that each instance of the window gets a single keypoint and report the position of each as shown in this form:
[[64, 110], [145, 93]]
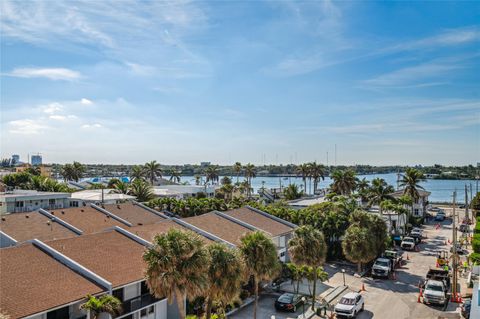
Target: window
[[416, 211], [61, 313], [19, 204], [51, 201], [118, 293], [74, 204]]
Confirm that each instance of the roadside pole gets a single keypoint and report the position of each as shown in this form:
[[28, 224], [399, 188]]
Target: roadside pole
[[466, 203], [454, 255]]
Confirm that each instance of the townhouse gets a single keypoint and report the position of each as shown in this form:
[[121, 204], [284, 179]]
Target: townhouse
[[419, 205]]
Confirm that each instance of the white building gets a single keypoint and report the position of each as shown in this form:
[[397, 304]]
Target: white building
[[183, 191], [396, 223], [97, 196], [18, 201], [419, 205]]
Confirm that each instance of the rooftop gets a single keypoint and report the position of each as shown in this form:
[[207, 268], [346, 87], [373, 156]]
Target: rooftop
[[33, 282], [250, 216], [18, 193], [87, 219], [109, 254], [148, 232], [400, 192], [96, 195], [135, 214], [26, 226], [219, 226], [305, 202]]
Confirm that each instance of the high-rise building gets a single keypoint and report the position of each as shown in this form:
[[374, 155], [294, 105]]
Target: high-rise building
[[36, 160], [15, 159]]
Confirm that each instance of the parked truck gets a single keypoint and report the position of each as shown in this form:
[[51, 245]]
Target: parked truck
[[435, 292], [394, 257], [382, 267]]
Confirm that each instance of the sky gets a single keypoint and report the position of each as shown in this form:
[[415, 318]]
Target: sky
[[270, 82]]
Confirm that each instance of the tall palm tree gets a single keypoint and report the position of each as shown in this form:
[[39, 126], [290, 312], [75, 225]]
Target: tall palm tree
[[78, 170], [175, 176], [176, 267], [317, 172], [141, 190], [260, 256], [152, 171], [211, 174], [358, 245], [198, 179], [379, 192], [104, 303], [237, 168], [137, 172], [121, 187], [303, 170], [363, 188], [250, 173], [225, 273], [344, 182], [67, 172], [307, 247], [411, 184]]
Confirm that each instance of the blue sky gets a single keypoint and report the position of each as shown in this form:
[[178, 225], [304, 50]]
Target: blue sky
[[274, 82]]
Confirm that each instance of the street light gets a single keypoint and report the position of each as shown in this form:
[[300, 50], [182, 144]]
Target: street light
[[303, 304], [343, 272]]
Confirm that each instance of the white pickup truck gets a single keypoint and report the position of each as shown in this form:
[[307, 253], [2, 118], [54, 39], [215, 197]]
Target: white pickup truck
[[435, 292], [382, 267], [408, 243]]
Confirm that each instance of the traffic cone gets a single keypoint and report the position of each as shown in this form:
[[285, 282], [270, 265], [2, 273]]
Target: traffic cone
[[408, 258], [449, 242], [420, 295], [363, 287]]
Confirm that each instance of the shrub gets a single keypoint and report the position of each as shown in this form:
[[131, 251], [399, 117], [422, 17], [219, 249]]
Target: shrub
[[476, 243], [474, 258]]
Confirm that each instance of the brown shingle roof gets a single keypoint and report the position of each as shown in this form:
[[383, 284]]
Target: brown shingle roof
[[26, 226], [109, 254], [135, 214], [148, 232], [87, 219], [32, 282], [219, 226], [257, 220]]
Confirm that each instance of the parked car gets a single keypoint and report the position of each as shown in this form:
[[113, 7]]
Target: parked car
[[440, 216], [350, 305], [416, 235], [435, 292], [382, 268], [460, 250], [288, 302], [417, 230], [408, 243], [466, 306], [434, 209], [394, 257]]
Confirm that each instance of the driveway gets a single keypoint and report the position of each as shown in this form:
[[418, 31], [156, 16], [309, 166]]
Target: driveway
[[265, 310]]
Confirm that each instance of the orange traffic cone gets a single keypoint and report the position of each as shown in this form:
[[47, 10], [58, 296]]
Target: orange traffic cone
[[408, 258], [421, 292], [419, 296], [363, 287], [449, 242]]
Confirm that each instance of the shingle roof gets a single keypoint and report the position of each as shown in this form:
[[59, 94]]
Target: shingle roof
[[32, 282], [148, 232], [111, 255], [26, 226], [87, 219], [219, 226], [257, 220], [135, 214]]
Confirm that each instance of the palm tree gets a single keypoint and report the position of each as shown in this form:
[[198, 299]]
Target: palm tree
[[303, 170], [237, 168], [226, 180], [344, 182], [141, 190], [379, 192], [152, 171], [176, 267], [411, 184], [261, 261], [307, 247], [67, 172], [358, 245], [317, 172], [137, 172], [105, 303], [175, 176], [211, 174], [250, 173], [291, 192], [363, 188], [78, 171], [121, 187], [225, 273], [198, 179]]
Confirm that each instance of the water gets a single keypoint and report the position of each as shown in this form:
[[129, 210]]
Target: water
[[441, 189]]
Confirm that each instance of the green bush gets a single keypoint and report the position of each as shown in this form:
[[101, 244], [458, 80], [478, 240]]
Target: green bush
[[475, 258], [476, 243]]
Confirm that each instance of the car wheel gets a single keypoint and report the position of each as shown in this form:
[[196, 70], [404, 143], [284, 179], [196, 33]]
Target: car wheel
[[355, 314]]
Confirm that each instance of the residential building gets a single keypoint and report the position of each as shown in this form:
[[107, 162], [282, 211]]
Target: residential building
[[135, 213], [45, 171], [419, 205], [396, 223], [15, 159], [36, 160], [183, 191], [17, 201], [98, 196]]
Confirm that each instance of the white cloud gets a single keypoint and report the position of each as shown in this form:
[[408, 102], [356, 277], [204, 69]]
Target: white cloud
[[140, 69], [85, 101], [91, 126], [53, 108], [26, 127], [49, 73]]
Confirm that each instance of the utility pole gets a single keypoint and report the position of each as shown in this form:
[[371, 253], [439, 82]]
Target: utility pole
[[454, 255], [466, 203]]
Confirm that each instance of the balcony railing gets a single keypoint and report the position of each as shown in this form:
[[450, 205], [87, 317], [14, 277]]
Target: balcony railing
[[31, 208], [138, 303]]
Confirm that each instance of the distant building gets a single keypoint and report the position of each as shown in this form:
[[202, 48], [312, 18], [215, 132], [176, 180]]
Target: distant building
[[98, 196], [45, 171], [36, 160], [183, 191], [419, 205], [19, 201], [15, 159], [204, 164]]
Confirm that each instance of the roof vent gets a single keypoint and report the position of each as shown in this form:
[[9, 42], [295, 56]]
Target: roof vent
[[118, 206], [26, 216], [82, 210], [3, 219], [63, 213], [139, 224], [53, 213]]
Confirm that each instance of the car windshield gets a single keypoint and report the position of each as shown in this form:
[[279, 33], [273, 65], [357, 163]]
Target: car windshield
[[434, 288], [347, 301], [286, 298], [381, 263], [408, 239]]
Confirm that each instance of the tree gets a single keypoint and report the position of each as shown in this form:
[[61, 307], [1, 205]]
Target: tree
[[175, 176], [291, 192], [121, 187], [226, 180], [261, 261], [303, 170], [363, 189], [211, 174], [358, 246], [380, 191], [307, 247], [411, 184], [237, 169], [137, 172], [176, 266], [344, 182], [141, 190], [152, 170], [225, 274], [317, 172], [104, 303], [250, 173]]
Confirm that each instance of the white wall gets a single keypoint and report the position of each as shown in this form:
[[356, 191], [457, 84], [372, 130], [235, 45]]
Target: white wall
[[131, 291]]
